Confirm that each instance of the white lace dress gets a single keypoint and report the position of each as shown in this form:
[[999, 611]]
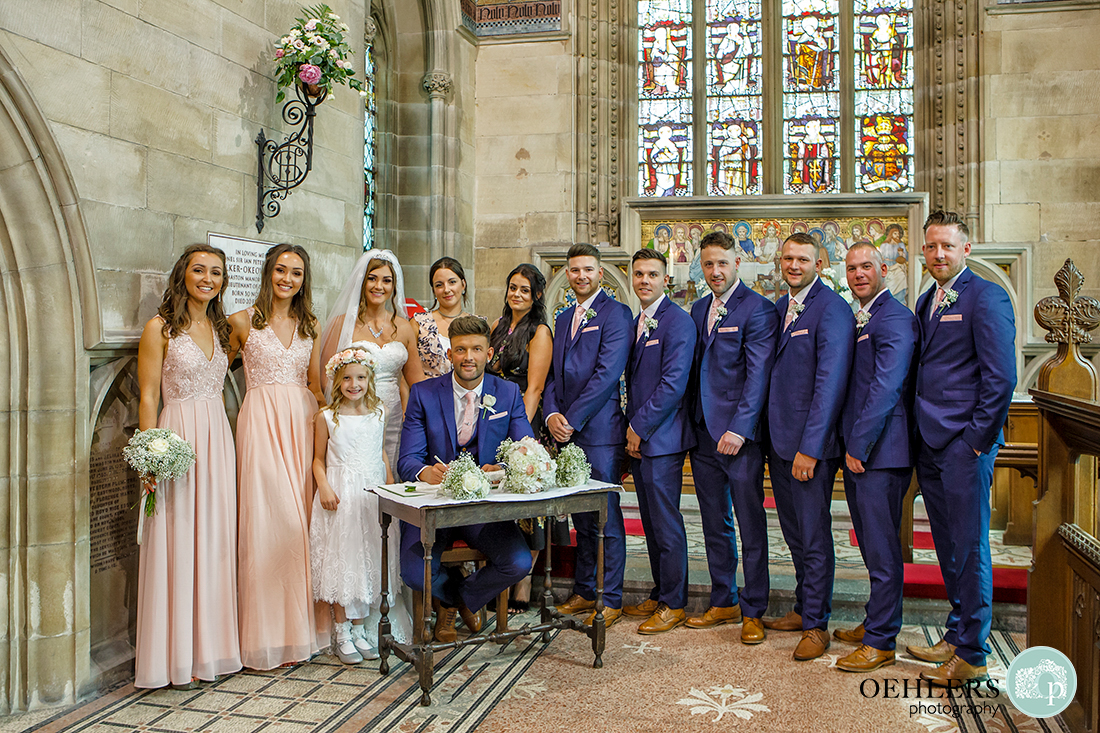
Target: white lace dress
[[346, 544], [389, 361]]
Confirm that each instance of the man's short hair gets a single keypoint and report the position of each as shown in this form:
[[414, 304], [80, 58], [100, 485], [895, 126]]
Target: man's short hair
[[876, 255], [649, 254], [468, 326], [939, 217], [717, 239], [583, 249], [806, 240]]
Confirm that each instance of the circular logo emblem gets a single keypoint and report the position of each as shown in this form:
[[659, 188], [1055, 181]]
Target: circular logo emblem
[[1041, 682]]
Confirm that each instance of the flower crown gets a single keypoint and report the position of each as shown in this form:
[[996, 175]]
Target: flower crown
[[345, 357]]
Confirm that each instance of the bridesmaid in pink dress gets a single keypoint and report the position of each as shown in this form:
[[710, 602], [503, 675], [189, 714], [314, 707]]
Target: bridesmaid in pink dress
[[278, 338], [187, 573]]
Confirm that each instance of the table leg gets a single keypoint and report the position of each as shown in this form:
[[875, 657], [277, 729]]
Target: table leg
[[547, 595], [424, 652], [384, 637], [599, 630]]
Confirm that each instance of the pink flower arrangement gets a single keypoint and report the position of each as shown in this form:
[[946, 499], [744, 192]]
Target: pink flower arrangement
[[309, 74], [315, 51]]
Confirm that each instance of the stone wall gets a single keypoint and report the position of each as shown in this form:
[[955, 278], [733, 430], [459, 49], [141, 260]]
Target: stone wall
[[1041, 150]]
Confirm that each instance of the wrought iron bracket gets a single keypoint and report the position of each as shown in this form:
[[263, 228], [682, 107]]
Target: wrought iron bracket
[[284, 166]]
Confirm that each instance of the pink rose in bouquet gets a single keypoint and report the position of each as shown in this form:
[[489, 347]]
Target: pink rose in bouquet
[[279, 53], [309, 74]]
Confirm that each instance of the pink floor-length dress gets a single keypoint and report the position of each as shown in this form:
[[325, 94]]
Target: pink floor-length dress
[[187, 576], [275, 493]]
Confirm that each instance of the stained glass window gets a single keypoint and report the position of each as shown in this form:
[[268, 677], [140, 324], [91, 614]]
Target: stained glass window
[[665, 98], [883, 95], [823, 88], [734, 97], [369, 119]]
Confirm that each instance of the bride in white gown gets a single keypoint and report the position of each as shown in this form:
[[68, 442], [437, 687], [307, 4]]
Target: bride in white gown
[[360, 317]]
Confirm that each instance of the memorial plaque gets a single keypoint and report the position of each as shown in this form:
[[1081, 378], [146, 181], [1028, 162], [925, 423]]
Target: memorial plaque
[[244, 262]]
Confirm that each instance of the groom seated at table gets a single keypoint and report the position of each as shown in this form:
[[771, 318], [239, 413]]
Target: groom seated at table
[[466, 411]]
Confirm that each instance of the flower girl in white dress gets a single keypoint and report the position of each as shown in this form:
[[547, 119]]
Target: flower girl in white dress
[[348, 458]]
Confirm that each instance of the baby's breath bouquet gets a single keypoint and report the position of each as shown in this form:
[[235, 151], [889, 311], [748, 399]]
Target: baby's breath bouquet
[[573, 466], [158, 454], [464, 480], [530, 468]]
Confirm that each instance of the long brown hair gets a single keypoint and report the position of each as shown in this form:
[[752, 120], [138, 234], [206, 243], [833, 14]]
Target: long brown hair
[[373, 265], [370, 396], [173, 305], [301, 305]]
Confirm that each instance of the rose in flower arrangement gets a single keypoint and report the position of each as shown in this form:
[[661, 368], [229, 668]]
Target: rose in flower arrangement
[[464, 480], [530, 469], [573, 466], [314, 53], [158, 454]]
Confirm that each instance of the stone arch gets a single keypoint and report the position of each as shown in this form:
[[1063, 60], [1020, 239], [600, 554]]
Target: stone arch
[[50, 316]]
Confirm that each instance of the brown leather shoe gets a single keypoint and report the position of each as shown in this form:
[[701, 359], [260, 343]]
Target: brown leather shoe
[[445, 625], [791, 622], [663, 619], [715, 616], [850, 636], [812, 645], [575, 605], [752, 631], [645, 609], [866, 659], [955, 669], [611, 616], [937, 654], [472, 619]]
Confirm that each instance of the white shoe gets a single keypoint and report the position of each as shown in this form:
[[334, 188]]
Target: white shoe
[[343, 647], [359, 639]]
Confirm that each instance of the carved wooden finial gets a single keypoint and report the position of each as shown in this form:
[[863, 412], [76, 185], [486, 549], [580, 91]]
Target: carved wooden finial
[[1070, 316]]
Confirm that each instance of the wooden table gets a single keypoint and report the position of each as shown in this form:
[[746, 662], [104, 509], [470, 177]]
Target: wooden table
[[431, 514]]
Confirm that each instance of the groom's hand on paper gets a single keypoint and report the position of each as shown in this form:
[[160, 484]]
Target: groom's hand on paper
[[433, 474]]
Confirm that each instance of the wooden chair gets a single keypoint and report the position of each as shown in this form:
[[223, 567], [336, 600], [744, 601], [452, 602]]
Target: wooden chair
[[460, 554]]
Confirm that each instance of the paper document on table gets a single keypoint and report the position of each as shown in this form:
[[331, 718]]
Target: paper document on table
[[428, 494]]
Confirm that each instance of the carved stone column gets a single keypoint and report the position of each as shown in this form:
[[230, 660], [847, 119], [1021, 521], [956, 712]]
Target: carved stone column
[[438, 85], [602, 98], [949, 108]]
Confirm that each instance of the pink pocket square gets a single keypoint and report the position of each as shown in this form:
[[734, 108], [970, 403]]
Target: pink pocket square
[[864, 337], [590, 328], [953, 317], [498, 415], [728, 329], [803, 332], [653, 342]]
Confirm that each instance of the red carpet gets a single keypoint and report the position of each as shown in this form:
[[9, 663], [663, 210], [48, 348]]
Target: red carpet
[[921, 540], [926, 581]]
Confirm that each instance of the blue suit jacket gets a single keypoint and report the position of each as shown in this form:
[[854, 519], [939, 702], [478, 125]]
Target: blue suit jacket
[[656, 380], [967, 368], [810, 376], [430, 428], [583, 383], [733, 364], [875, 419]]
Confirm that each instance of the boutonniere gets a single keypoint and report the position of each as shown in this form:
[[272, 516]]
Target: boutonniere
[[650, 325], [861, 320], [487, 402], [798, 308], [588, 316], [721, 311], [949, 297]]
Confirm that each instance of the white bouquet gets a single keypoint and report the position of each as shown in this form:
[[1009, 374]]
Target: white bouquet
[[836, 284], [464, 480], [530, 468], [573, 466], [158, 454]]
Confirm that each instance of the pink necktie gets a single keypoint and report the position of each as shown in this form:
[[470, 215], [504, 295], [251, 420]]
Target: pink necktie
[[712, 317], [578, 316], [936, 305], [469, 417], [790, 314], [641, 326]]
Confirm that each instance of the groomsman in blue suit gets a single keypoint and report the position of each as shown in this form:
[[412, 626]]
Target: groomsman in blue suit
[[878, 461], [581, 404], [736, 331], [965, 378], [809, 380], [466, 411], [658, 436]]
